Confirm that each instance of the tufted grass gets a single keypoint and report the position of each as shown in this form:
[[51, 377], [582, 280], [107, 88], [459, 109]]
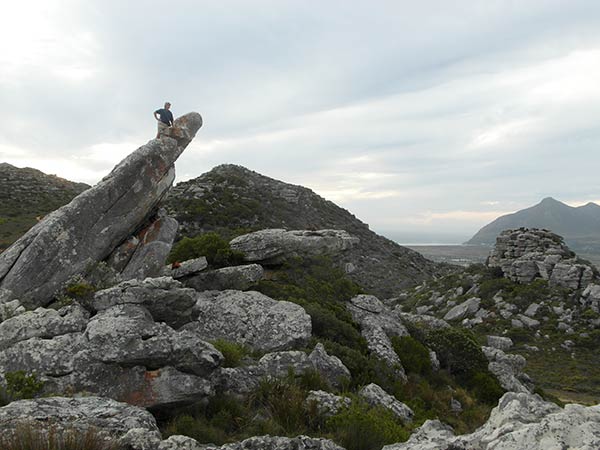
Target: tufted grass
[[30, 437]]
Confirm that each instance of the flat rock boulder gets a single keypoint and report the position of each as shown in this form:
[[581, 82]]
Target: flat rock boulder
[[187, 268], [465, 309], [88, 229], [166, 299], [520, 421], [274, 246], [238, 278], [525, 254], [110, 418], [252, 319]]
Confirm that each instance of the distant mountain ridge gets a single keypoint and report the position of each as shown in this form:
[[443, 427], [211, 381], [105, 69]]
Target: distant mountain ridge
[[27, 193], [580, 226], [230, 198]]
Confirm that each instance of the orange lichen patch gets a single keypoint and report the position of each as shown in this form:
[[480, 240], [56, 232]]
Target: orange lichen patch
[[145, 396]]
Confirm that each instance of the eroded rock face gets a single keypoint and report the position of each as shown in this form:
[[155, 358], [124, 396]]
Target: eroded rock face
[[276, 245], [252, 319], [166, 299], [376, 396], [377, 324], [110, 418], [526, 254], [237, 277], [245, 379], [95, 222], [520, 421]]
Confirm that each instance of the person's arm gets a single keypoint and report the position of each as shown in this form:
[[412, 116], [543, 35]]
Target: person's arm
[[155, 115], [171, 118]]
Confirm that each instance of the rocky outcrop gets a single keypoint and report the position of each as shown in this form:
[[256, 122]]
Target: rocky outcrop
[[237, 277], [508, 369], [280, 443], [97, 221], [377, 324], [526, 254], [232, 197], [276, 246], [110, 418], [325, 403], [252, 319], [520, 421], [376, 396], [144, 254], [245, 379], [166, 299]]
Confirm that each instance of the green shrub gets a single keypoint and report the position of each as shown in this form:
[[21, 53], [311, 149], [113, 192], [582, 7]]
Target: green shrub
[[413, 354], [232, 352], [486, 387], [197, 428], [19, 385], [29, 437], [217, 251], [361, 427]]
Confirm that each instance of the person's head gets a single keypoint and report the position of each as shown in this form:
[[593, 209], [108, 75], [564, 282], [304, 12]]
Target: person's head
[[167, 105]]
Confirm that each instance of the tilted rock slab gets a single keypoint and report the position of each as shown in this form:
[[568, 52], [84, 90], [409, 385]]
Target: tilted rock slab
[[252, 319], [526, 254], [377, 324], [520, 421], [237, 278], [375, 395], [110, 418], [276, 245], [508, 368], [89, 228]]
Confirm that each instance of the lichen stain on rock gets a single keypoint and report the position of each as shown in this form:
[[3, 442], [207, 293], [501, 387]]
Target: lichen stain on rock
[[145, 396]]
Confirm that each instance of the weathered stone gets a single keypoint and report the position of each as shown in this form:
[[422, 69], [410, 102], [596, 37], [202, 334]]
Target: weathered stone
[[499, 342], [423, 320], [237, 277], [467, 308], [108, 417], [526, 254], [377, 324], [187, 268], [508, 369], [179, 442], [252, 319], [166, 299], [43, 323], [376, 396], [140, 439], [152, 246], [89, 228], [432, 435], [326, 404], [528, 321], [10, 308], [276, 245], [245, 379], [532, 309], [126, 335]]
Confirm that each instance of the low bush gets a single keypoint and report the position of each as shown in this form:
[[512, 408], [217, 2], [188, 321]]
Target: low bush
[[414, 355], [217, 251], [232, 352], [20, 385], [362, 427]]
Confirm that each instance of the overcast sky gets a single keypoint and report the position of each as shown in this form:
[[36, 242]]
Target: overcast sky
[[429, 116]]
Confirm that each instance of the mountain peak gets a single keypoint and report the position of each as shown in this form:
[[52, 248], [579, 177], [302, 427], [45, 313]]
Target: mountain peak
[[550, 201]]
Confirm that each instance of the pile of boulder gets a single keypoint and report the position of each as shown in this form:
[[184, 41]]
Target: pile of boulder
[[526, 254]]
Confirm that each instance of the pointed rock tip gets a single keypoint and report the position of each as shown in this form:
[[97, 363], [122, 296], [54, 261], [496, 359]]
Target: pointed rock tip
[[184, 128]]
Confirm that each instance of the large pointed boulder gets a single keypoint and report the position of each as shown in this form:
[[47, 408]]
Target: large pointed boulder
[[87, 230]]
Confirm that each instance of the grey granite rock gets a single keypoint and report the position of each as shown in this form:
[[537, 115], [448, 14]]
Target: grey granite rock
[[89, 228], [465, 309], [499, 342], [325, 403], [526, 254], [236, 277], [377, 324], [376, 396], [508, 369], [43, 323], [110, 418], [187, 268], [166, 299], [252, 319], [274, 246]]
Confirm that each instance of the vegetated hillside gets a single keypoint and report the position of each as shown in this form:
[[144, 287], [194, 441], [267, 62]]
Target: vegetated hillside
[[233, 200], [580, 226], [26, 194]]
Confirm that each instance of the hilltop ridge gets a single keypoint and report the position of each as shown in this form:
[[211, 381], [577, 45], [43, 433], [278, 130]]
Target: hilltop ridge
[[232, 197]]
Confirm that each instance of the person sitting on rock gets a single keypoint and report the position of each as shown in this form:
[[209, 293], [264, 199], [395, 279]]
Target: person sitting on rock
[[164, 118]]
